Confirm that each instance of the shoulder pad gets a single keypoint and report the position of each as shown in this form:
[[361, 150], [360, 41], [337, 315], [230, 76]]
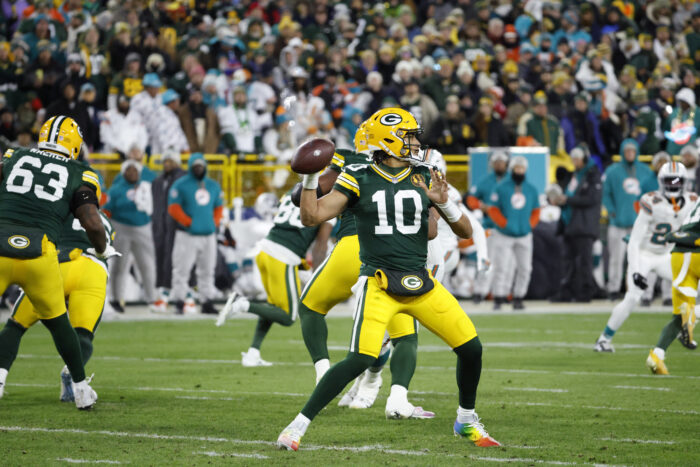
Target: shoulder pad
[[8, 153], [654, 197]]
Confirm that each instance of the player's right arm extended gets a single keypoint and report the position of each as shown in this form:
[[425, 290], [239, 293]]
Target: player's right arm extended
[[85, 209], [315, 210]]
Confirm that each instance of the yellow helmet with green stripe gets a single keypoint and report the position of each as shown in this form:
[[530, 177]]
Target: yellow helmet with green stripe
[[61, 134], [390, 129]]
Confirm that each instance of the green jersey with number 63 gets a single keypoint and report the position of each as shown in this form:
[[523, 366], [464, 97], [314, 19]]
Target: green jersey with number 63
[[391, 213], [288, 230], [37, 191], [74, 239], [341, 158]]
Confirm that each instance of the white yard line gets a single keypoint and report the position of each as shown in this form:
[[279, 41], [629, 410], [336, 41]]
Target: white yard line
[[595, 407], [205, 398], [638, 441], [230, 454], [643, 388], [519, 459], [558, 391], [86, 461]]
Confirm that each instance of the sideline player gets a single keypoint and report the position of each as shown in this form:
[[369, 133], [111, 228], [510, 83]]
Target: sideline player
[[281, 254], [331, 284], [685, 266], [661, 212], [85, 286], [390, 199], [38, 190]]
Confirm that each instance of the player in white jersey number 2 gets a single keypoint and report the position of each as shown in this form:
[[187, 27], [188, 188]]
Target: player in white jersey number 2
[[660, 212]]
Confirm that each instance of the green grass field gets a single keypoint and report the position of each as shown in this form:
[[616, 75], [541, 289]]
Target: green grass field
[[173, 392]]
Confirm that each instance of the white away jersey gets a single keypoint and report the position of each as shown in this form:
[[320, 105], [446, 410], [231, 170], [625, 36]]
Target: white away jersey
[[657, 217]]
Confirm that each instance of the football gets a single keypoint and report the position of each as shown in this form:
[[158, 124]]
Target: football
[[313, 156]]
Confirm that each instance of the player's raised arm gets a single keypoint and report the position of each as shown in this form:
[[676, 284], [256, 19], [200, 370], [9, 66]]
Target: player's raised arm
[[314, 210], [449, 211]]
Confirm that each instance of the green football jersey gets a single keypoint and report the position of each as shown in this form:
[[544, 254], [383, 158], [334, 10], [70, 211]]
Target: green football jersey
[[288, 230], [391, 213], [341, 158], [687, 238], [37, 189], [73, 236]]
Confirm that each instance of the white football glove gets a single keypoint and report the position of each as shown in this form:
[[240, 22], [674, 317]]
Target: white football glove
[[108, 253]]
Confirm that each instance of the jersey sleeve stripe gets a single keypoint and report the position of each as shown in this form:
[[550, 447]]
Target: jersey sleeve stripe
[[349, 178], [8, 153], [91, 177], [338, 162], [348, 186], [646, 207], [351, 182]]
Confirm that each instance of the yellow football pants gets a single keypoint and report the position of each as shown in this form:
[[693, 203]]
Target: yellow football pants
[[332, 284], [437, 310], [281, 283], [686, 274], [84, 284], [40, 278]]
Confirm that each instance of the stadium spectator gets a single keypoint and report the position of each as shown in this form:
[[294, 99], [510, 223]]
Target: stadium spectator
[[580, 127], [195, 201], [515, 209], [420, 105], [69, 105], [163, 224], [581, 225], [689, 157], [240, 125], [682, 121], [622, 188], [454, 135], [146, 104], [128, 81], [645, 123], [199, 123], [121, 129], [168, 132], [130, 205], [542, 127]]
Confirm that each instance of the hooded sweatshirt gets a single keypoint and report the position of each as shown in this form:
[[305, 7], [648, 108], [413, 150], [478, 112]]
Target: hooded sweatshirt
[[196, 204], [622, 187]]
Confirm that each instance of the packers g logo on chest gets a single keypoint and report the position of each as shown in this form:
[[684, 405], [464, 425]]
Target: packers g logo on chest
[[412, 282], [18, 241]]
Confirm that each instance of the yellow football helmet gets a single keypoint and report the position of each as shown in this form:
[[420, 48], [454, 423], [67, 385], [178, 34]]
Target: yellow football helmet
[[388, 130], [361, 138], [61, 134]]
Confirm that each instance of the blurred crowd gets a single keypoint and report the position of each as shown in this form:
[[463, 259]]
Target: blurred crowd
[[259, 76]]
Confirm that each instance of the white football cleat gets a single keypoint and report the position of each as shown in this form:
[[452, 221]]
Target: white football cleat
[[348, 397], [604, 345], [252, 359], [66, 386], [402, 409], [235, 305], [190, 307], [159, 306], [85, 396], [289, 438], [367, 391], [3, 378]]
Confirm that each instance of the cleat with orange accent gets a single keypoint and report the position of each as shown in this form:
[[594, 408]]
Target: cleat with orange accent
[[475, 432], [289, 439]]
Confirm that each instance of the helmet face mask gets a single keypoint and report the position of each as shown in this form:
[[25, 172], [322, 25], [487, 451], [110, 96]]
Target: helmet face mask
[[671, 178]]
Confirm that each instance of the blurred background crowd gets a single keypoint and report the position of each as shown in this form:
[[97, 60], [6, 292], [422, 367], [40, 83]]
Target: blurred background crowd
[[585, 79]]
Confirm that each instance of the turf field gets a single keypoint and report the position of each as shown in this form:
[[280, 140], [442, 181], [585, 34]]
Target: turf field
[[173, 392]]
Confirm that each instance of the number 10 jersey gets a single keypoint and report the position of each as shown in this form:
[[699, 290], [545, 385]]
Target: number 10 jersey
[[37, 190], [391, 212]]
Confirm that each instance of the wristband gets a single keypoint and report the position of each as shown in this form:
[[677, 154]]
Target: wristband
[[450, 210], [310, 181]]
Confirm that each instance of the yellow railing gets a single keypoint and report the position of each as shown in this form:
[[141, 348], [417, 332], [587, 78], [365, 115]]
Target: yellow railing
[[251, 174]]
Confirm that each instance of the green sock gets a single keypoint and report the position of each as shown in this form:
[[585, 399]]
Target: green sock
[[334, 381], [468, 372], [670, 332], [315, 332], [85, 338], [403, 360], [66, 341], [10, 337], [261, 331], [271, 312]]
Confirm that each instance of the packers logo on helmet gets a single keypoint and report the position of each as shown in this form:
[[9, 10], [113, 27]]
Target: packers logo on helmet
[[61, 134], [390, 130]]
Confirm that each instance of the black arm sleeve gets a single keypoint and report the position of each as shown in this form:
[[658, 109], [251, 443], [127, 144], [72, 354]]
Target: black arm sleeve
[[81, 197]]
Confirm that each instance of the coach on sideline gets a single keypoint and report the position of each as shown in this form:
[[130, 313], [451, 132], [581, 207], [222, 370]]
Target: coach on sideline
[[196, 203]]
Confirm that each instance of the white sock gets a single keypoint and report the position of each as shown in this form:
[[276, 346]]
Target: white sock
[[398, 392], [661, 353], [253, 352], [301, 423], [372, 376], [3, 375], [321, 367], [465, 415], [622, 311]]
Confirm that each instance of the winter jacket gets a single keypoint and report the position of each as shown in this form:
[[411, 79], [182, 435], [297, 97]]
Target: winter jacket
[[581, 216]]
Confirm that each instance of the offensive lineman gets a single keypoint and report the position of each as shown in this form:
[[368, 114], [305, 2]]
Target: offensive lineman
[[390, 199], [661, 212], [85, 285], [39, 188]]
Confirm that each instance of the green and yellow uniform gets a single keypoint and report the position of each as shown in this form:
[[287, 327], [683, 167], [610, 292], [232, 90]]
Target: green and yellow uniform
[[685, 262], [36, 194], [392, 215], [84, 279], [332, 282]]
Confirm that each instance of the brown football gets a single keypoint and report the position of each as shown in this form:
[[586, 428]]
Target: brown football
[[313, 156]]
